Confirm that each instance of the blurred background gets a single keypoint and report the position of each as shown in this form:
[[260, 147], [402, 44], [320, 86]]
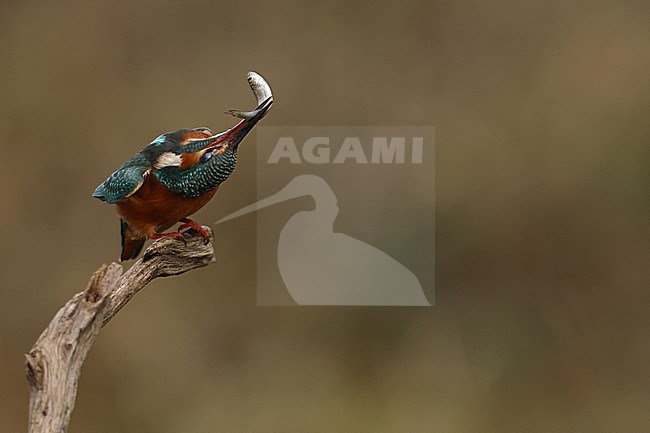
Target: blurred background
[[542, 242]]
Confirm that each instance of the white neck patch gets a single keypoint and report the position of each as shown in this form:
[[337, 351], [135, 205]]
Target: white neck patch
[[168, 159]]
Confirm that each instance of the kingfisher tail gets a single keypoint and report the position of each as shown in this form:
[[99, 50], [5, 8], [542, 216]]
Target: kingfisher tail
[[131, 244]]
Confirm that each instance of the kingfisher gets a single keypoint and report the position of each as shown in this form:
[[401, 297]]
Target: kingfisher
[[176, 175]]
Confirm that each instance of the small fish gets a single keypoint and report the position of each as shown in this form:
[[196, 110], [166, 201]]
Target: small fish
[[262, 92]]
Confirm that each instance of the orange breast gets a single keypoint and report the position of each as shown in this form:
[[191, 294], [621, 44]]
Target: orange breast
[[153, 208]]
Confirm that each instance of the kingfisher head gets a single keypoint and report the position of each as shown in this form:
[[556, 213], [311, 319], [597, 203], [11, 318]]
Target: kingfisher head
[[195, 161], [186, 148]]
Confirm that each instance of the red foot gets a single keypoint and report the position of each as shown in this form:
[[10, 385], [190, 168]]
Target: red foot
[[176, 235], [189, 224]]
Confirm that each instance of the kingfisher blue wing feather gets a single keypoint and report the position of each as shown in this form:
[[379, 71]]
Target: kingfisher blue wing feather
[[124, 181], [176, 175]]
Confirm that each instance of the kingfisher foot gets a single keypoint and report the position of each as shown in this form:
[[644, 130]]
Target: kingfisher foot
[[176, 235], [192, 225]]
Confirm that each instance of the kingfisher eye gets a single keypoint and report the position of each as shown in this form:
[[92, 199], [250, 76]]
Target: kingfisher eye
[[206, 156]]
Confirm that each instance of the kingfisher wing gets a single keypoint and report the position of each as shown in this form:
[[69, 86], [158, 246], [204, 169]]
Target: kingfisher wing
[[125, 181]]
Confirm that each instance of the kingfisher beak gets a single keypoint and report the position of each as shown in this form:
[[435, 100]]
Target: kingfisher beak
[[235, 135], [232, 137]]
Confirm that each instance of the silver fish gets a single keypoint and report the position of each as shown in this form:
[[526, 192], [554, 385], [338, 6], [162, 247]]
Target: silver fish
[[262, 92]]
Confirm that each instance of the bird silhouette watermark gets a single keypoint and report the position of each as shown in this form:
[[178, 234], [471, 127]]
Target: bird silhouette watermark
[[320, 265]]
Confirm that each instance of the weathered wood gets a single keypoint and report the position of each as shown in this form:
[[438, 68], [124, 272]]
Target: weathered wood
[[53, 365], [164, 258]]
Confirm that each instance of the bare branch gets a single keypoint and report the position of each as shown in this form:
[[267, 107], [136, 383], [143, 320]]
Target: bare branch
[[163, 258], [54, 363]]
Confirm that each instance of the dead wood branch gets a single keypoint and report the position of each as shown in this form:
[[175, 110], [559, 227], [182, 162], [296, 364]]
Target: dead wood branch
[[53, 365]]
